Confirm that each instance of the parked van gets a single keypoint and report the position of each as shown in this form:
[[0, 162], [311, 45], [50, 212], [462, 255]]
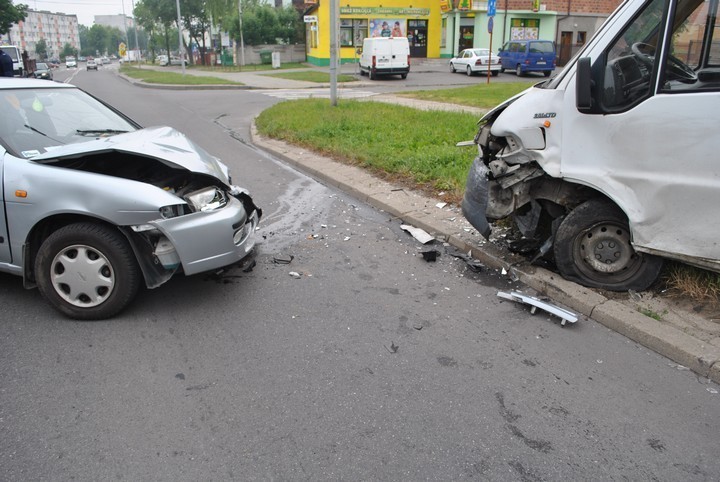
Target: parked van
[[612, 165], [14, 53], [525, 56], [385, 56]]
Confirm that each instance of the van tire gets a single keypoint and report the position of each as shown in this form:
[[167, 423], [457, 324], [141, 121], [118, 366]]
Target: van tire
[[547, 73], [518, 71], [403, 76], [372, 75], [592, 247]]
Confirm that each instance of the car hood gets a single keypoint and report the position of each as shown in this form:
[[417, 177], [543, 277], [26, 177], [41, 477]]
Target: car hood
[[164, 144]]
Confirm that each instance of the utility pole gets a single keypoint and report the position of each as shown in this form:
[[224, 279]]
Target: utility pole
[[242, 41], [180, 42], [137, 48], [334, 50]]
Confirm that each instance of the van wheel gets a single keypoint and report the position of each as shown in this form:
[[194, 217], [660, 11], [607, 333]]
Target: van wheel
[[518, 71], [547, 73], [502, 70], [403, 76], [469, 71], [372, 75], [592, 247], [87, 271]]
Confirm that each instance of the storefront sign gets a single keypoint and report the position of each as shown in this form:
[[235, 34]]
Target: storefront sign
[[395, 11], [310, 18]]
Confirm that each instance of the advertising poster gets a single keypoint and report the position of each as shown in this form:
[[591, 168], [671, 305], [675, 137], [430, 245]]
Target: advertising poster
[[387, 27]]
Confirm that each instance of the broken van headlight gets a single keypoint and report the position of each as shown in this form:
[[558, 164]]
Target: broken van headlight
[[207, 199]]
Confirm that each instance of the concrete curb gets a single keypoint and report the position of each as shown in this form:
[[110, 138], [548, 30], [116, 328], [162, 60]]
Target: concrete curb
[[702, 358], [140, 83]]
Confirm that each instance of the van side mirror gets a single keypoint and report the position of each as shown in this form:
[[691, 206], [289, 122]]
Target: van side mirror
[[583, 85]]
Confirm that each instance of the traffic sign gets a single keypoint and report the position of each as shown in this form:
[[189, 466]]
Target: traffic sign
[[491, 8]]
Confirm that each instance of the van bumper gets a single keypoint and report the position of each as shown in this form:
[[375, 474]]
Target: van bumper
[[391, 70]]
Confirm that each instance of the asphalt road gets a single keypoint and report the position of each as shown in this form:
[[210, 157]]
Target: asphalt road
[[373, 365]]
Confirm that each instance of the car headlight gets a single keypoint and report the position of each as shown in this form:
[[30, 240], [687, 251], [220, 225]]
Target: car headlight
[[207, 199]]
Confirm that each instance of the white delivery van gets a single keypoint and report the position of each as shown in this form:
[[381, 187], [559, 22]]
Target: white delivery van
[[14, 53], [612, 165], [385, 56]]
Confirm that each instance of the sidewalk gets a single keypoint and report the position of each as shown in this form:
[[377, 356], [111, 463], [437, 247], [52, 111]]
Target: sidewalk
[[687, 338]]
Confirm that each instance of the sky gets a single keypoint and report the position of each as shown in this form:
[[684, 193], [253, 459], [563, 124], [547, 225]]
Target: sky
[[84, 9]]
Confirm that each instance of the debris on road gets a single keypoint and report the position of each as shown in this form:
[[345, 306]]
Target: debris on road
[[430, 256], [418, 233], [282, 259], [250, 266], [392, 347], [472, 263], [535, 303], [294, 274]]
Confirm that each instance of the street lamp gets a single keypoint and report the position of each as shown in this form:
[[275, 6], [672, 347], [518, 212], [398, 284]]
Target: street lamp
[[180, 43]]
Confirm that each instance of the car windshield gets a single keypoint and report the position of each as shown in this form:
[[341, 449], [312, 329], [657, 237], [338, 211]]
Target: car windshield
[[41, 66], [34, 121]]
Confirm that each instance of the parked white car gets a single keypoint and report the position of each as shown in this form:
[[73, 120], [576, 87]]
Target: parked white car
[[476, 61]]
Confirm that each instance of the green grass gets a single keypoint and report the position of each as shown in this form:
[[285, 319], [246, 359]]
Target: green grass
[[172, 78], [404, 143], [485, 96], [313, 76], [250, 67]]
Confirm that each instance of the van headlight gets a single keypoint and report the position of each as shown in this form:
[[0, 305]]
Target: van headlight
[[208, 199]]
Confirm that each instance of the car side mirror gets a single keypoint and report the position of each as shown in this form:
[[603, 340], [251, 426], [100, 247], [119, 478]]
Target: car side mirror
[[583, 85]]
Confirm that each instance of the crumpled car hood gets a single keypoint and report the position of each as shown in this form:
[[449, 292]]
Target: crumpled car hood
[[165, 144]]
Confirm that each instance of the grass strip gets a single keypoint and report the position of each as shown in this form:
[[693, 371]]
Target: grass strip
[[313, 76], [172, 78], [397, 142], [483, 95]]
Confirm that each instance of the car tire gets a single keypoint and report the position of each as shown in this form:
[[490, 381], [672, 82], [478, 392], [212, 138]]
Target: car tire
[[592, 247], [469, 71], [108, 274], [495, 73], [518, 71], [452, 68]]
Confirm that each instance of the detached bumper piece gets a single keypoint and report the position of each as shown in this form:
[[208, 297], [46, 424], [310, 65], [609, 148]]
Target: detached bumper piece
[[535, 303]]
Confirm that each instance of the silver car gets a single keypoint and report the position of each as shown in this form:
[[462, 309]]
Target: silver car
[[476, 61], [95, 206]]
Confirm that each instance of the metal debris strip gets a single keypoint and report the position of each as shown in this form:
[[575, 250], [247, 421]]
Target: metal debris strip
[[418, 233], [430, 256], [535, 303], [472, 263]]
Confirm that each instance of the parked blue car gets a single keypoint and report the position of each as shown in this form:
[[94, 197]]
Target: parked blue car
[[525, 56]]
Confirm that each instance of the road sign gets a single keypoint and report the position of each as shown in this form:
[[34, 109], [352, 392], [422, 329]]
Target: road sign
[[310, 18], [491, 8], [490, 24]]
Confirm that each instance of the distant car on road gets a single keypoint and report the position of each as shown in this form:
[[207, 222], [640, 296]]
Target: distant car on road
[[91, 64], [96, 206], [476, 61], [70, 62], [177, 61], [42, 71]]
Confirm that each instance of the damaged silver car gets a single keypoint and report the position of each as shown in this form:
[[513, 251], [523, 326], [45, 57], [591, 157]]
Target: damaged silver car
[[95, 206]]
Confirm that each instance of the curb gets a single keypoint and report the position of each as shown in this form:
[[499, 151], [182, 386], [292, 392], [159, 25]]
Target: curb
[[700, 357], [140, 83]]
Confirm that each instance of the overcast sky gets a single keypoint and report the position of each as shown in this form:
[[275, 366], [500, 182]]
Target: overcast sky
[[84, 9]]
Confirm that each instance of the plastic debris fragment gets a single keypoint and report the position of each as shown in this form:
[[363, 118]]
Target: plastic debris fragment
[[535, 303], [418, 233]]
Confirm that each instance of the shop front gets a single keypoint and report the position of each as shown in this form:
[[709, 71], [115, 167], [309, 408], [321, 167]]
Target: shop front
[[420, 23]]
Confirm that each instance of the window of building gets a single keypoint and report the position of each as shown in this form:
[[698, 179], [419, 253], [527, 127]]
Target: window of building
[[353, 31], [581, 38]]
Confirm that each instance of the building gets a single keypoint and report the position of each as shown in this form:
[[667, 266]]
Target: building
[[441, 28], [57, 29], [570, 23], [419, 21], [120, 22]]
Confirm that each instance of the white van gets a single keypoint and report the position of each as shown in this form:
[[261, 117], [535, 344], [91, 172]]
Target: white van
[[14, 53], [612, 165], [385, 56]]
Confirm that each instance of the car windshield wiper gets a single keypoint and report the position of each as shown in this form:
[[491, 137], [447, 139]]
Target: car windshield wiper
[[92, 132], [40, 132]]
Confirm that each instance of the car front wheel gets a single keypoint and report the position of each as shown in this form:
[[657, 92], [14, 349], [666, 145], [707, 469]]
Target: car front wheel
[[592, 247], [87, 271], [452, 68]]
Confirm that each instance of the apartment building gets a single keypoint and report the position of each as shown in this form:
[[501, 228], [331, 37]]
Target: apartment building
[[57, 29]]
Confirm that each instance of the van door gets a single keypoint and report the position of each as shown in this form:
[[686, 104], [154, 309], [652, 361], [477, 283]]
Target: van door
[[650, 139]]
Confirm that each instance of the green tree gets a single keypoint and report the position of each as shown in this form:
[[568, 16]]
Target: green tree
[[157, 16], [68, 50], [41, 49], [10, 15], [263, 24]]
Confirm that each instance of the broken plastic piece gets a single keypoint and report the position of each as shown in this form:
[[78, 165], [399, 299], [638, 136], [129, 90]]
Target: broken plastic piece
[[294, 274], [418, 233], [430, 256], [535, 303], [280, 259]]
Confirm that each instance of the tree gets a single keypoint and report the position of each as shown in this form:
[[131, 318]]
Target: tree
[[11, 14], [67, 51], [41, 49], [156, 15], [263, 24]]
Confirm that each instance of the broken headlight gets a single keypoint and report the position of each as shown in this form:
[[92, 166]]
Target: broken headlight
[[207, 199]]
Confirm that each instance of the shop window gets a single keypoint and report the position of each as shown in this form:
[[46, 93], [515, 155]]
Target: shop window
[[581, 38], [352, 32]]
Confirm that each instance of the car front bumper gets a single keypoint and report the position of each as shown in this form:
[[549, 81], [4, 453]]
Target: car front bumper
[[205, 241]]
